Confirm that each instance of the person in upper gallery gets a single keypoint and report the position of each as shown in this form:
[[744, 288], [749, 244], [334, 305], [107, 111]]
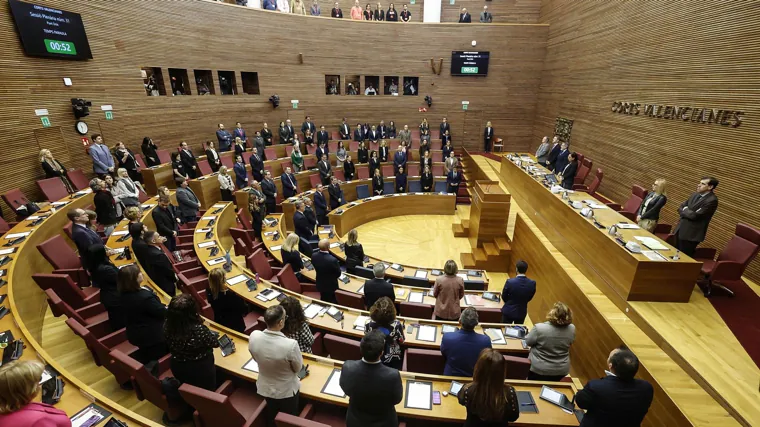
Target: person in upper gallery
[[104, 277], [241, 175], [19, 386], [695, 215], [144, 315], [126, 159], [315, 10], [488, 137], [391, 16], [229, 308], [54, 168], [167, 222], [239, 132], [426, 180], [257, 210], [371, 406], [322, 148], [551, 158], [444, 127], [618, 399], [212, 156], [301, 222], [571, 169], [226, 186], [289, 183], [485, 16], [377, 183], [349, 169], [150, 151], [296, 159], [362, 153], [464, 16], [280, 360], [447, 150], [269, 4], [359, 133], [224, 138], [190, 343], [383, 319], [373, 135], [453, 179], [340, 155], [367, 14], [370, 90], [379, 13], [290, 252], [405, 135], [356, 11], [158, 265], [325, 170], [187, 202], [378, 287], [401, 180], [270, 192], [354, 251], [562, 159], [336, 11], [283, 6], [550, 345], [406, 16], [374, 163], [266, 133], [461, 348], [240, 147], [384, 151], [336, 194], [328, 271], [320, 205], [102, 161], [297, 7], [178, 168], [344, 130], [105, 205], [323, 136], [489, 402], [257, 165], [649, 210], [517, 293], [296, 326], [399, 160], [446, 138], [308, 125], [188, 160], [258, 143], [447, 291], [542, 153]]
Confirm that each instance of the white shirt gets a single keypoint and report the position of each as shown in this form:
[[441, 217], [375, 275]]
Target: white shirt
[[279, 359], [283, 6], [225, 182]]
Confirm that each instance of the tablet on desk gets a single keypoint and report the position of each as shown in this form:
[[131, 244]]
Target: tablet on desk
[[456, 387], [553, 396]]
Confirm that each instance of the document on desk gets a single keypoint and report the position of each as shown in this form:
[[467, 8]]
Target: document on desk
[[471, 299], [275, 248], [237, 279], [215, 261], [627, 226], [120, 233], [312, 310], [462, 275], [207, 244], [415, 297], [653, 255], [251, 365], [419, 395], [360, 290], [202, 230], [324, 231], [7, 251], [497, 337], [400, 292], [208, 218], [651, 243], [421, 274], [334, 245], [219, 205], [332, 386], [427, 333], [17, 235], [361, 322]]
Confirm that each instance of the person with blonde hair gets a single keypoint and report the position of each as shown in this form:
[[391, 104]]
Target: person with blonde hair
[[226, 186], [649, 211], [229, 308], [128, 190], [550, 345], [291, 255], [19, 385], [447, 291], [354, 251], [54, 168], [133, 213], [297, 7]]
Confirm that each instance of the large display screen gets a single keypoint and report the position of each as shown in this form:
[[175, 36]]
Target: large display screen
[[469, 63], [50, 32]]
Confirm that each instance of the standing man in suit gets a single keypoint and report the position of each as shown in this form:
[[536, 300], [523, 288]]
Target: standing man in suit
[[344, 131], [259, 145], [444, 127], [462, 348], [488, 136], [465, 17], [257, 165], [309, 212], [270, 191], [453, 179], [373, 135], [239, 132], [187, 201], [405, 136], [336, 194], [308, 125], [561, 162], [542, 153], [158, 265], [266, 134], [485, 16], [322, 136], [82, 236], [571, 169], [291, 131], [102, 161], [378, 287], [301, 222], [336, 11], [696, 213], [289, 183], [551, 159], [383, 130], [374, 405], [399, 160], [325, 170], [517, 293], [224, 137], [451, 163], [320, 205], [618, 399], [359, 134], [188, 160], [328, 272], [241, 175], [167, 221]]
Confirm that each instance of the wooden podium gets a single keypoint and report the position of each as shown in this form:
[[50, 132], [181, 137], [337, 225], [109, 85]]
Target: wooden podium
[[486, 228]]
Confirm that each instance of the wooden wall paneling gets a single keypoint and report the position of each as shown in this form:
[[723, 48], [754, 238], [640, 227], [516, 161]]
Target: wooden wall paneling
[[590, 64], [503, 11]]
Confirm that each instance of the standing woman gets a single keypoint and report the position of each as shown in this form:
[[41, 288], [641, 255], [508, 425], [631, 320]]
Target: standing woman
[[53, 168], [290, 254], [296, 326], [368, 15], [110, 184], [144, 315], [362, 154], [212, 156], [391, 16], [354, 251], [19, 385], [150, 151], [239, 146], [257, 214], [649, 211], [426, 161], [129, 191], [488, 400], [379, 13], [105, 205], [105, 277], [488, 136], [178, 168], [374, 163], [296, 159], [383, 315], [426, 181], [340, 154], [392, 124], [550, 345], [226, 186], [308, 141], [424, 126], [448, 290], [377, 183], [284, 134], [126, 159], [384, 151], [229, 309], [191, 344]]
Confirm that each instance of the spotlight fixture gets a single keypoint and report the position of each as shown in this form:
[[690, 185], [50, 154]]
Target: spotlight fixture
[[80, 107], [275, 100], [429, 100]]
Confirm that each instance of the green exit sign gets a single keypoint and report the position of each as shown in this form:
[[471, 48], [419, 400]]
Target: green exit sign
[[469, 70], [62, 47]]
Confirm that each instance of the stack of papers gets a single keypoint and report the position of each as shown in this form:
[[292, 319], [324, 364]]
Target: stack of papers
[[237, 279], [419, 395], [427, 333], [471, 299], [626, 226], [654, 256], [120, 233], [421, 274], [17, 235], [415, 297], [275, 248], [312, 310], [360, 322], [252, 366], [651, 243], [208, 218], [203, 230], [462, 275], [497, 337], [206, 244]]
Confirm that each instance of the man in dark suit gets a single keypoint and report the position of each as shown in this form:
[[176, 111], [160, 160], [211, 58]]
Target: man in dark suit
[[224, 137], [462, 348], [453, 179], [139, 247], [373, 389], [618, 399], [320, 205], [569, 172], [291, 131], [517, 293], [83, 237], [270, 191], [551, 159], [187, 202], [308, 125], [465, 17], [289, 183], [257, 165], [444, 127], [378, 287], [328, 272], [188, 160], [561, 162], [309, 212], [359, 134], [325, 170], [344, 131], [382, 130], [488, 137], [336, 194], [373, 135], [241, 175], [158, 265], [322, 136], [167, 221], [399, 160], [301, 222], [696, 213]]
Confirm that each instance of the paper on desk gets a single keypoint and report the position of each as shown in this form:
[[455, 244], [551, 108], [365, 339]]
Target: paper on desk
[[395, 266], [219, 205], [595, 205], [32, 218], [471, 299], [324, 231], [627, 226], [120, 233], [360, 290], [208, 218], [17, 235], [419, 395], [117, 250], [252, 366], [651, 242], [202, 230], [462, 275], [312, 310], [400, 292], [361, 322], [497, 337], [654, 256], [215, 261], [334, 245], [54, 204], [148, 206], [7, 251], [426, 333], [415, 297], [237, 279], [269, 233], [333, 385], [206, 244], [275, 248]]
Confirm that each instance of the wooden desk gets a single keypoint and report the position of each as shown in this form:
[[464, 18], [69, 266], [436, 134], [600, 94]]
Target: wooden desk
[[632, 277], [157, 176]]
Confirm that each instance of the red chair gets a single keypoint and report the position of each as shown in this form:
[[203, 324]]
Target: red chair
[[247, 237], [362, 172], [246, 155], [387, 170], [289, 150], [438, 170], [67, 290], [392, 145], [15, 199], [229, 405], [102, 347], [631, 206], [732, 261], [583, 171], [415, 133], [353, 146], [241, 249], [258, 263], [423, 361], [418, 311], [335, 135], [315, 180], [288, 280], [270, 153], [79, 180], [310, 162], [140, 161], [243, 219], [94, 317], [63, 259], [436, 144], [413, 169], [228, 161], [591, 189], [350, 299], [315, 415], [332, 146], [164, 156], [435, 134], [338, 173], [489, 315], [6, 227], [342, 348], [204, 167], [662, 230], [517, 367]]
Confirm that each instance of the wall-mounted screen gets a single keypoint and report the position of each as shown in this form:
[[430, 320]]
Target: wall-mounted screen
[[469, 63], [50, 32]]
